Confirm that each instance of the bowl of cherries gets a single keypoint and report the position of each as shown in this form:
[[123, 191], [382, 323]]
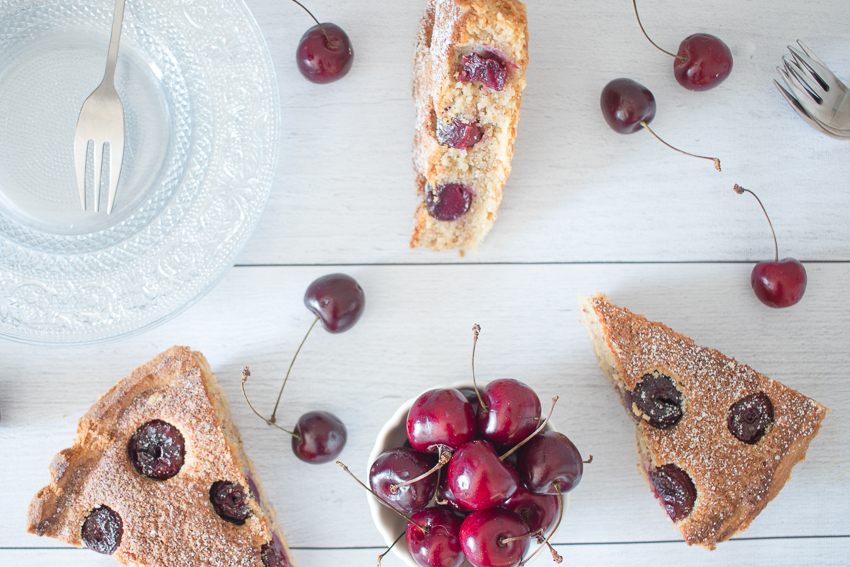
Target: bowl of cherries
[[471, 477]]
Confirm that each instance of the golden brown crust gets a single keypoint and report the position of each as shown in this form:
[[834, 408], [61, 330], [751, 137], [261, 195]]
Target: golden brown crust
[[451, 29], [167, 522], [734, 481]]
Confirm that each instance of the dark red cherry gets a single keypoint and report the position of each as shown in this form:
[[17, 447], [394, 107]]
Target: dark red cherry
[[540, 511], [322, 437], [399, 465], [156, 450], [324, 59], [230, 501], [750, 417], [102, 530], [488, 70], [478, 479], [337, 299], [440, 547], [273, 554], [513, 412], [675, 489], [459, 134], [447, 202], [471, 397], [549, 457], [779, 284], [446, 497], [625, 103], [482, 536], [658, 400], [707, 63], [440, 417]]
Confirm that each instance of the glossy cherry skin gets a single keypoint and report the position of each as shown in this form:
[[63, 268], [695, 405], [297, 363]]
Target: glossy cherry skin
[[540, 511], [625, 103], [779, 284], [549, 456], [337, 300], [445, 496], [513, 412], [440, 547], [322, 62], [322, 437], [399, 465], [440, 417], [481, 535], [708, 61], [478, 479]]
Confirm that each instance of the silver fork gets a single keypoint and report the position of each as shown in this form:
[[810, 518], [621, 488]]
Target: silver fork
[[817, 95], [102, 120]]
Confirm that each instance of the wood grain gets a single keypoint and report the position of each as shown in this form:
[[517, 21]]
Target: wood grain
[[584, 209]]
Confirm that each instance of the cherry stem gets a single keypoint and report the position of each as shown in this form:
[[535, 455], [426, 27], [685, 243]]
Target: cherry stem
[[506, 540], [245, 374], [536, 431], [331, 44], [425, 529], [589, 460], [714, 159], [646, 35], [476, 328], [740, 191], [445, 457], [555, 557], [381, 556], [277, 403]]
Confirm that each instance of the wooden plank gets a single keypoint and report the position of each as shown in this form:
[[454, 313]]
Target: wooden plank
[[415, 334], [825, 552], [578, 191]]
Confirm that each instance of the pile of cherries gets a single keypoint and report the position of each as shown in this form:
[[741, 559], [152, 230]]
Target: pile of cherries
[[480, 478]]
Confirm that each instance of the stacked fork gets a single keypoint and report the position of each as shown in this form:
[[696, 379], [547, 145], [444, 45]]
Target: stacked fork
[[816, 93]]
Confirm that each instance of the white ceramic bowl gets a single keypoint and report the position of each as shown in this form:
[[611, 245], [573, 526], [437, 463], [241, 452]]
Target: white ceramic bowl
[[393, 434]]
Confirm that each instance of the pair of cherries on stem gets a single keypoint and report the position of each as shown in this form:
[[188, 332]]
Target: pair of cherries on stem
[[324, 54], [338, 301]]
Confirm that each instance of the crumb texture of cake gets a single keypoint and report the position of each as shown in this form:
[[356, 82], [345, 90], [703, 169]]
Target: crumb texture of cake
[[468, 78], [734, 437], [157, 476]]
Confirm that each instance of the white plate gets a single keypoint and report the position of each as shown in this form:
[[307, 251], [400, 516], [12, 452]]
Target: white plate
[[201, 147]]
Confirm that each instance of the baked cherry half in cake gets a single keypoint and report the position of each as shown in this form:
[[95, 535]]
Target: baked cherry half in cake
[[157, 449], [658, 400], [750, 417], [675, 489], [273, 554], [488, 70], [459, 134], [230, 502], [447, 202], [102, 530]]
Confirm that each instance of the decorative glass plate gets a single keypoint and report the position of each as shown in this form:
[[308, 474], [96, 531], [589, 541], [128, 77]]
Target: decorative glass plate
[[201, 144]]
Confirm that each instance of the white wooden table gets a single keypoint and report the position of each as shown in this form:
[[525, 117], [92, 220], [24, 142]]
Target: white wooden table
[[584, 209]]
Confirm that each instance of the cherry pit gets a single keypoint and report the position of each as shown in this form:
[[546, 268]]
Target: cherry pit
[[481, 478], [338, 301]]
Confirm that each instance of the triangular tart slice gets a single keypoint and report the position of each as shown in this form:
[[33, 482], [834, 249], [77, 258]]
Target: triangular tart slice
[[717, 440], [158, 477]]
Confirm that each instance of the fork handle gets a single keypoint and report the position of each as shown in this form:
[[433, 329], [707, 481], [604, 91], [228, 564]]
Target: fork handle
[[114, 38]]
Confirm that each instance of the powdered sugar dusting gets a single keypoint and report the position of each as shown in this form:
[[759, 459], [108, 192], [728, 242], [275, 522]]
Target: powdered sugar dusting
[[734, 481]]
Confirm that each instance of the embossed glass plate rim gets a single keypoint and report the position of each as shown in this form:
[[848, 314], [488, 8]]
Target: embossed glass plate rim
[[212, 272]]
